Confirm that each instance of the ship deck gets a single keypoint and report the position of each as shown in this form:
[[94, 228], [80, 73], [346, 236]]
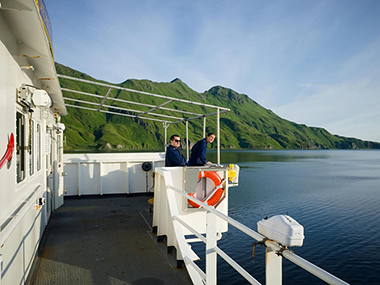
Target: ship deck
[[105, 240]]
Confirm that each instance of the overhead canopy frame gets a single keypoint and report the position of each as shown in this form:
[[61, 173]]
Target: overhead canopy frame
[[165, 119]]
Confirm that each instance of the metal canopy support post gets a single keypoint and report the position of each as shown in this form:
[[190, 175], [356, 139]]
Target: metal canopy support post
[[105, 98], [204, 126], [115, 113], [166, 125], [117, 108], [187, 140], [131, 102], [218, 133], [157, 107], [140, 92], [140, 114]]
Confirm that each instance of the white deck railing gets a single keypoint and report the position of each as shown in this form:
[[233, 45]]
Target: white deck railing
[[274, 252]]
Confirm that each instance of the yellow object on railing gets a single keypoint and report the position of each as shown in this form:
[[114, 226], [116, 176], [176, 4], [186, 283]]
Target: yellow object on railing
[[231, 172]]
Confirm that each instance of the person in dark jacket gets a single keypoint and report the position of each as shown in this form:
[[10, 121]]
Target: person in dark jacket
[[198, 152], [173, 156]]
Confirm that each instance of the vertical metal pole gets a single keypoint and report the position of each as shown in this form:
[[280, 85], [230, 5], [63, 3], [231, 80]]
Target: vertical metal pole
[[211, 255], [166, 134], [100, 177], [187, 140], [273, 268], [218, 133], [79, 179], [204, 127]]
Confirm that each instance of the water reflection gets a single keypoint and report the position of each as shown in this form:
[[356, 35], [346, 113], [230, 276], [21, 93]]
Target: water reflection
[[334, 194], [236, 156]]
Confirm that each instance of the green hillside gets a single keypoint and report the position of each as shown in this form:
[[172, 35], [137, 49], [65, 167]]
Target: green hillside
[[247, 126]]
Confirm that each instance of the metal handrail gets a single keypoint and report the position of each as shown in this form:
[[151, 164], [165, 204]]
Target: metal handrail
[[286, 253]]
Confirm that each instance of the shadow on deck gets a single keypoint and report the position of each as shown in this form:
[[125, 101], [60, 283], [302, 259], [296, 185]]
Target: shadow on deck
[[105, 240]]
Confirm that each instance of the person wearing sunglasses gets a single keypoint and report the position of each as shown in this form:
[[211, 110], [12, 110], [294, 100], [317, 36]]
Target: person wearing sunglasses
[[198, 152], [173, 156]]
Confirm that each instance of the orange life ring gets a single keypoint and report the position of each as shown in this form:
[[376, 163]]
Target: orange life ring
[[211, 201]]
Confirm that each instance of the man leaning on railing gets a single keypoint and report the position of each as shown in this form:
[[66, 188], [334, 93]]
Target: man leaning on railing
[[173, 156]]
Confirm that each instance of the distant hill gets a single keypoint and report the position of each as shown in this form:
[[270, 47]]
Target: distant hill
[[247, 126]]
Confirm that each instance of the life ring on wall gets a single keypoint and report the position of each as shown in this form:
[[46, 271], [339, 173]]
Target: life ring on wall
[[218, 191], [9, 152]]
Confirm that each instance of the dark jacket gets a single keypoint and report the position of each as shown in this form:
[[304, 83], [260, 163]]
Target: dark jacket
[[198, 154], [174, 157]]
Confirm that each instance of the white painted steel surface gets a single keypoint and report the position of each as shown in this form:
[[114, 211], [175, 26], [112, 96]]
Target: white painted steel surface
[[25, 197], [109, 173], [273, 269], [211, 255], [168, 210]]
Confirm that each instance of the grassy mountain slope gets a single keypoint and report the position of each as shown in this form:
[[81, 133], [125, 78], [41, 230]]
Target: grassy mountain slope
[[247, 126]]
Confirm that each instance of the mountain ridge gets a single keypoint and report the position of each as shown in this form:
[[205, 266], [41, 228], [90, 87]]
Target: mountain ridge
[[247, 126]]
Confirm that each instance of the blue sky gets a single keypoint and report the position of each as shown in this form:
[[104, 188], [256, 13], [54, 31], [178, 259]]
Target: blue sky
[[311, 62]]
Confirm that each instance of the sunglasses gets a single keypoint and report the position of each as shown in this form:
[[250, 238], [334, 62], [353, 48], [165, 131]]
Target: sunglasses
[[177, 140]]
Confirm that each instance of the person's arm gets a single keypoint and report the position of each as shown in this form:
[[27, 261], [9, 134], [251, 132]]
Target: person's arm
[[202, 152], [184, 161]]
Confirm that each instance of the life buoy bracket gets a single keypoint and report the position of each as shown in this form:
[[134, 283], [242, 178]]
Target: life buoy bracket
[[216, 194]]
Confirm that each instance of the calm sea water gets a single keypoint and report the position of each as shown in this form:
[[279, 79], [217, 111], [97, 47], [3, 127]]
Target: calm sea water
[[334, 194]]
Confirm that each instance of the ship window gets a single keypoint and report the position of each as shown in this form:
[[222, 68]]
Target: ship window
[[31, 148], [38, 147], [20, 146], [59, 146], [51, 148]]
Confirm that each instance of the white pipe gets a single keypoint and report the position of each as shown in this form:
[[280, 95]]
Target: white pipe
[[202, 238], [166, 134], [117, 108], [231, 221], [131, 102], [218, 133], [200, 272], [187, 140], [236, 266], [313, 269], [109, 112], [201, 116], [140, 92], [204, 127]]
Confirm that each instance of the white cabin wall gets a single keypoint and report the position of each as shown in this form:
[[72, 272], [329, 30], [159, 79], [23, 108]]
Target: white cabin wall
[[20, 233], [109, 173], [11, 77]]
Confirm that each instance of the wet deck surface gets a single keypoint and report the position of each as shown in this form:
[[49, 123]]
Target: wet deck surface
[[105, 240]]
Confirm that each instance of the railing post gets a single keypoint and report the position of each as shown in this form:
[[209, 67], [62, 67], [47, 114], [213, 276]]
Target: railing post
[[218, 133], [211, 255], [273, 270]]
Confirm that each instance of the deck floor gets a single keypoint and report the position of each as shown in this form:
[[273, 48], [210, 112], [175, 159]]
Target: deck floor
[[105, 240]]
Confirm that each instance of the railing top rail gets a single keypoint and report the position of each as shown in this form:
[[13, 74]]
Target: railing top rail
[[231, 221]]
